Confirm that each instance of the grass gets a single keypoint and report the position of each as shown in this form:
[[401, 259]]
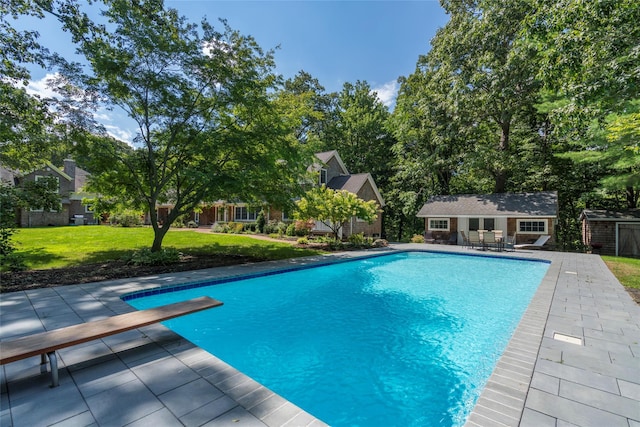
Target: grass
[[627, 270], [59, 247]]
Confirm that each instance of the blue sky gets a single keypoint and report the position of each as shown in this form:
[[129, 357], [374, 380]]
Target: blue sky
[[334, 41]]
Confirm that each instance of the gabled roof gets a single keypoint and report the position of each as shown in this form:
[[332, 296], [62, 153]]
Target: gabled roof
[[607, 215], [540, 204], [354, 183], [326, 156]]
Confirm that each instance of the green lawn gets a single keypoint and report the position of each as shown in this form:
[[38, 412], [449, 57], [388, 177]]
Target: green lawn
[[627, 270], [56, 247]]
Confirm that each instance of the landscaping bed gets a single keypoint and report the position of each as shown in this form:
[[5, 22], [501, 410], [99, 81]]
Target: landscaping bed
[[110, 270]]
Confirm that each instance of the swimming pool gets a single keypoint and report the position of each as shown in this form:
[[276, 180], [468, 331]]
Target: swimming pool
[[402, 339]]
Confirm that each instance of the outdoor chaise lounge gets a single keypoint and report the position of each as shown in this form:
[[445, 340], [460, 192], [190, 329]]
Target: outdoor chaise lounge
[[542, 240], [46, 343]]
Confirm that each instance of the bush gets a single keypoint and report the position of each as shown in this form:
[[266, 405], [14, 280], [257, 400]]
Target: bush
[[275, 227], [303, 241], [162, 257], [126, 218], [358, 240], [12, 261], [220, 228], [261, 222], [192, 224], [303, 228], [291, 229], [417, 238]]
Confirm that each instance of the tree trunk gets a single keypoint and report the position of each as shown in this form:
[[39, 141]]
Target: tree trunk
[[158, 236], [632, 197], [501, 174]]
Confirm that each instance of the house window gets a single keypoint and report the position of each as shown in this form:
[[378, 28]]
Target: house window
[[88, 208], [439, 224], [532, 227], [285, 216], [244, 214], [476, 224], [323, 176], [38, 178]]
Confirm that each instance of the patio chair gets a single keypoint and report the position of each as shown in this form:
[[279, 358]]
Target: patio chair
[[509, 242], [465, 239], [453, 238], [489, 240], [542, 240], [474, 239], [428, 237]]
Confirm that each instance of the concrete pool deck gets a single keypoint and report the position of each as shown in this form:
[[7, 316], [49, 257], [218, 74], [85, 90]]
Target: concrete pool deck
[[574, 359]]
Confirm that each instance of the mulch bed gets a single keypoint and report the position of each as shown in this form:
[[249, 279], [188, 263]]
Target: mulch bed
[[33, 279]]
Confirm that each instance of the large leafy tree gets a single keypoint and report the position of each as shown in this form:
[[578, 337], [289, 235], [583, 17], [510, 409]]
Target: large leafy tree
[[210, 124], [334, 208], [588, 54], [25, 120], [360, 134]]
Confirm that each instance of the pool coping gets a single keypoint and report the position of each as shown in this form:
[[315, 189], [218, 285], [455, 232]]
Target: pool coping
[[526, 388]]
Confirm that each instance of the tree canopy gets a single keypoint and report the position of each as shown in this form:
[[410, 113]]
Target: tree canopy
[[210, 123], [334, 208]]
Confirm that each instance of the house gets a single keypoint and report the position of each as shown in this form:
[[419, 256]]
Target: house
[[331, 172], [71, 179], [527, 215], [612, 233]]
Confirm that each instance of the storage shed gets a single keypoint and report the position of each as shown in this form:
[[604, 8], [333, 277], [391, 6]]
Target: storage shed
[[612, 232]]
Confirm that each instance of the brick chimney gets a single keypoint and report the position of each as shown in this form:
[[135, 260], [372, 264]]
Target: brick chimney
[[70, 168]]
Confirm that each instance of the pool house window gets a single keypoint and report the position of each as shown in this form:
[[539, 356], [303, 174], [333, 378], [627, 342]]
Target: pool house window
[[439, 224], [532, 227], [244, 214]]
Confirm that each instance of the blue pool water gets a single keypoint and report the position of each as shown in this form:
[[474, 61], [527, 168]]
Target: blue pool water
[[400, 340]]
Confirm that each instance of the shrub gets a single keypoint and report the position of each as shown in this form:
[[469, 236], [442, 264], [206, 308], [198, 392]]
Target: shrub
[[303, 241], [162, 257], [303, 228], [220, 228], [126, 218], [358, 240], [260, 222], [291, 229], [192, 224], [12, 261], [417, 238]]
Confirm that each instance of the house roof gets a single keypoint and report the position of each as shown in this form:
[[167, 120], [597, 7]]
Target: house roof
[[325, 157], [607, 215], [540, 204], [354, 183]]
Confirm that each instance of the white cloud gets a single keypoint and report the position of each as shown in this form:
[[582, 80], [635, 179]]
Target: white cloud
[[103, 116], [116, 132], [41, 88], [387, 93]]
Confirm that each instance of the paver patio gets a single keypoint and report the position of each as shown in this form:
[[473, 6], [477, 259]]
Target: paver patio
[[152, 376]]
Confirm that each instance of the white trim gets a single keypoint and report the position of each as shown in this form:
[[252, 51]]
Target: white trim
[[546, 226], [448, 220]]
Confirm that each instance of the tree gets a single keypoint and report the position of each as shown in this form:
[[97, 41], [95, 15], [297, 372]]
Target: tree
[[25, 120], [210, 124], [491, 77], [334, 208]]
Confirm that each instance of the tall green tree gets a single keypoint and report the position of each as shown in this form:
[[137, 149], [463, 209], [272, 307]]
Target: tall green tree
[[25, 120], [210, 125], [588, 54], [492, 77], [361, 135]]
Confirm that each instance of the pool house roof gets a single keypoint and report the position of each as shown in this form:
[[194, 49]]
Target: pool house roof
[[524, 205]]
